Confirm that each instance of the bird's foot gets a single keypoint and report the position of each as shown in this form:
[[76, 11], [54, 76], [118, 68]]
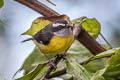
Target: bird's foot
[[63, 56], [51, 63]]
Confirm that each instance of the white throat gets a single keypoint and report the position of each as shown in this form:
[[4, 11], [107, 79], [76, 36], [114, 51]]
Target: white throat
[[66, 32]]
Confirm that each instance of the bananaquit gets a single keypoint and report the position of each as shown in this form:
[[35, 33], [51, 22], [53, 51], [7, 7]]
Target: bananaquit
[[54, 38]]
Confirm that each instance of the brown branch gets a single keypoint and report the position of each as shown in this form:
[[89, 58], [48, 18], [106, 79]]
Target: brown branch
[[91, 44], [39, 7]]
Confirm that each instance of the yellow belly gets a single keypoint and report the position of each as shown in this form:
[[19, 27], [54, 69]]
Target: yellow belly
[[57, 45]]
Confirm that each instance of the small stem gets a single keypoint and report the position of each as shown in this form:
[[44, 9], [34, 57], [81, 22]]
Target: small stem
[[106, 41], [58, 73], [51, 2]]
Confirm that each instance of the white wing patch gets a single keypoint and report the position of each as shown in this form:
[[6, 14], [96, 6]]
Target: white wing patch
[[58, 24]]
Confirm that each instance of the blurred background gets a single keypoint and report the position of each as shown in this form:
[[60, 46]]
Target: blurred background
[[16, 19]]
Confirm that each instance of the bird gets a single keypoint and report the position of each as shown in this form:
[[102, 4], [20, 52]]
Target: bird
[[54, 38]]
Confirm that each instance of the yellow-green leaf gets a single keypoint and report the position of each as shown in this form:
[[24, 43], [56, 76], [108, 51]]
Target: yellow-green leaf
[[34, 73], [35, 58], [104, 54], [1, 3], [78, 53], [77, 71], [37, 25], [98, 75], [91, 25], [112, 67], [113, 64], [97, 62]]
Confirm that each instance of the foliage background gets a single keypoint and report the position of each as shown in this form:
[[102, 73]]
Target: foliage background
[[16, 19]]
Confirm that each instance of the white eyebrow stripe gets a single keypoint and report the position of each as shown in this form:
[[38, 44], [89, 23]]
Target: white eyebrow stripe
[[58, 24]]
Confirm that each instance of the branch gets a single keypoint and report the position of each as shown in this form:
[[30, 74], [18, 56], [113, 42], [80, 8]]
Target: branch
[[39, 7], [91, 44], [56, 74], [51, 67]]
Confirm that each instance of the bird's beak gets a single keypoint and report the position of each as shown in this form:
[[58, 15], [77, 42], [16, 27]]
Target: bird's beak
[[27, 40]]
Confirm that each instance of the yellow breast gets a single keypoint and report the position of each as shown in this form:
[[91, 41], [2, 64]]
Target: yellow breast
[[57, 45]]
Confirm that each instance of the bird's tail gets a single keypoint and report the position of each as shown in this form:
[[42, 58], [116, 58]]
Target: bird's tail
[[27, 40]]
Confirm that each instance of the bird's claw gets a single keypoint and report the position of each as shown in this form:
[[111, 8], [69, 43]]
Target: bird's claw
[[51, 63]]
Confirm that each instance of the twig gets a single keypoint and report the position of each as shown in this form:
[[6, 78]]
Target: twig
[[51, 2], [51, 67], [56, 74], [110, 47]]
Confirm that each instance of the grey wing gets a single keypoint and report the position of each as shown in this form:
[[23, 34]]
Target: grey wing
[[44, 35]]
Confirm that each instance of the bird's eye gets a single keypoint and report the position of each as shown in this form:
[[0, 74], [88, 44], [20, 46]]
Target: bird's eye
[[67, 24]]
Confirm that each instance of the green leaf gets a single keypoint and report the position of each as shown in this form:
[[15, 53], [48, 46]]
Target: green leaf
[[98, 75], [95, 65], [77, 71], [38, 70], [112, 67], [91, 25], [97, 62], [104, 54], [37, 25], [67, 77], [78, 52], [35, 58], [43, 70], [1, 3], [114, 61], [110, 79]]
